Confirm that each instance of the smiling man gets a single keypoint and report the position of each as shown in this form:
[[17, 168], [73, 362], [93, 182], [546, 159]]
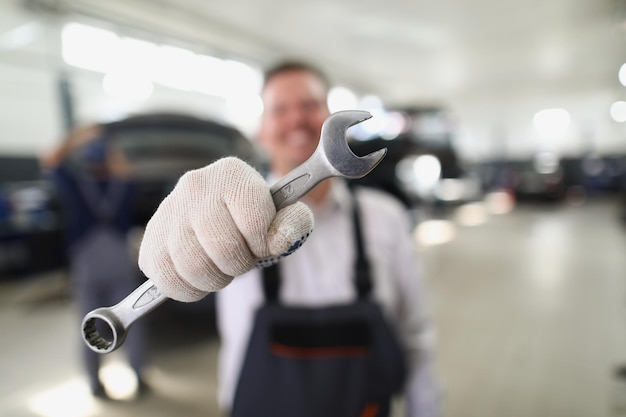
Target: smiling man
[[352, 228]]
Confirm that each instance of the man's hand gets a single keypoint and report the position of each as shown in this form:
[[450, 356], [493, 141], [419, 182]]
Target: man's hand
[[217, 223], [78, 138]]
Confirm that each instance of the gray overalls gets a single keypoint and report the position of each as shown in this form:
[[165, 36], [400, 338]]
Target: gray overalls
[[339, 361], [102, 270]]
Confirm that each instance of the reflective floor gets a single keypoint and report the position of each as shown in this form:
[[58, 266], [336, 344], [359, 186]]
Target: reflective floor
[[530, 308]]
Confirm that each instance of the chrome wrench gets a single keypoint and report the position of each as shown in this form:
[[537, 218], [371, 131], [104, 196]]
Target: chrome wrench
[[332, 158]]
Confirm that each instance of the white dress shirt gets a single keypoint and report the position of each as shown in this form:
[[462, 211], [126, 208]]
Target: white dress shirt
[[321, 273]]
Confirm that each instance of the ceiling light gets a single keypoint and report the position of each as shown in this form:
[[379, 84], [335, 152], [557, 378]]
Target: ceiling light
[[20, 37], [618, 111], [622, 75], [127, 86], [551, 123], [89, 47]]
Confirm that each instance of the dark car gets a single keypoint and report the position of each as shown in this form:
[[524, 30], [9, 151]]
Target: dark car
[[31, 233], [162, 147], [422, 166]]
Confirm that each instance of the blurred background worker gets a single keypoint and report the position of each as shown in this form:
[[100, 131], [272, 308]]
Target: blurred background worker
[[320, 275], [95, 185]]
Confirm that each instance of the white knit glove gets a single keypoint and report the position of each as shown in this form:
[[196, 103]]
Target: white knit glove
[[217, 223]]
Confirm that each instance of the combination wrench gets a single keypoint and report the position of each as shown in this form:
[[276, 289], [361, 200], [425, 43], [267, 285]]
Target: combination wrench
[[332, 158]]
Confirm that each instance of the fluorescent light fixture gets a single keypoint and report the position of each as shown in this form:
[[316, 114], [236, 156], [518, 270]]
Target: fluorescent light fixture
[[127, 86], [138, 56], [89, 48], [551, 123], [20, 36], [244, 108], [174, 68], [209, 76], [179, 68], [241, 78]]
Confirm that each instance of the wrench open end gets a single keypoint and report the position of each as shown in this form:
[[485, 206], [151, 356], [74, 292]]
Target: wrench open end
[[339, 154]]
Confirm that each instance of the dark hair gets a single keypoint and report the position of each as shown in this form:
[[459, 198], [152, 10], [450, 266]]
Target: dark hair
[[294, 66]]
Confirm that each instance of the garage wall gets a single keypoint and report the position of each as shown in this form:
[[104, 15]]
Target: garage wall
[[502, 127], [30, 118]]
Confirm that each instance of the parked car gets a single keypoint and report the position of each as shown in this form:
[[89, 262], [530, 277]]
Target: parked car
[[31, 233], [528, 180], [550, 178], [163, 146], [422, 167]]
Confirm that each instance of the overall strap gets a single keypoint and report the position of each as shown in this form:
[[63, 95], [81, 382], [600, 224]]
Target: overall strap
[[271, 283], [271, 276], [363, 278]]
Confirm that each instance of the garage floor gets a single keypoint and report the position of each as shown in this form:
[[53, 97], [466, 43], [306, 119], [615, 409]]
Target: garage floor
[[530, 308]]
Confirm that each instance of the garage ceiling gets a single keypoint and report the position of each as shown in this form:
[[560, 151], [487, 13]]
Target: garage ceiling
[[407, 51], [417, 52]]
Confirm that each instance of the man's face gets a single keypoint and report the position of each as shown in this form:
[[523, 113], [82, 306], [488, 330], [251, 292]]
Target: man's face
[[294, 110]]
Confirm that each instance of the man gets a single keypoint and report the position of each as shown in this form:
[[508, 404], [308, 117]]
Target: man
[[96, 188], [319, 275]]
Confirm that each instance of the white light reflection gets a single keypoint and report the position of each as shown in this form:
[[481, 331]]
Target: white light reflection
[[549, 255], [71, 399], [340, 98], [427, 169], [376, 125], [434, 232], [546, 163], [120, 380], [371, 103], [451, 189], [397, 123], [499, 202], [472, 214]]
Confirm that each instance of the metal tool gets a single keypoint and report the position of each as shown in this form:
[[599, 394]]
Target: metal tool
[[332, 158]]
